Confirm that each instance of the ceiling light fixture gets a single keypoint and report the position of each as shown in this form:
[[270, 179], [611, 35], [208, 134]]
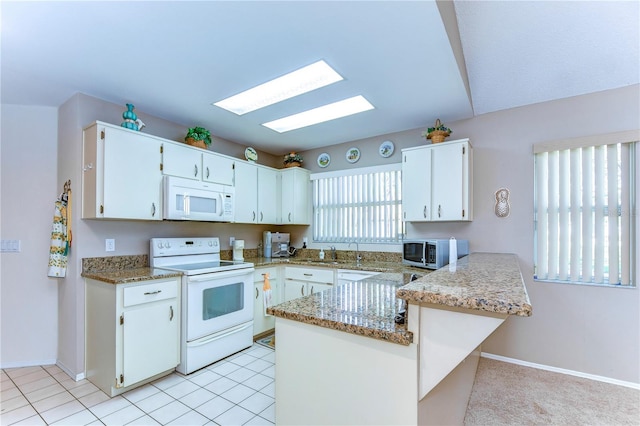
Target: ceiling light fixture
[[321, 114], [304, 80]]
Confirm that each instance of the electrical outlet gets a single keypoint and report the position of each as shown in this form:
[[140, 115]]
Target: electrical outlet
[[231, 240], [304, 240], [110, 244]]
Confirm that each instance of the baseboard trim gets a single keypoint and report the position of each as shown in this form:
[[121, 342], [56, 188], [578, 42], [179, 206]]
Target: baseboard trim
[[22, 364], [561, 370], [76, 377]]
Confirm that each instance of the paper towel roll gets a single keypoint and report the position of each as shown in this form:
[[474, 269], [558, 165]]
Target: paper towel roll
[[453, 252]]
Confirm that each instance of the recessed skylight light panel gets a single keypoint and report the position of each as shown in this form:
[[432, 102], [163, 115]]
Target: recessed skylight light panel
[[304, 80], [321, 114]]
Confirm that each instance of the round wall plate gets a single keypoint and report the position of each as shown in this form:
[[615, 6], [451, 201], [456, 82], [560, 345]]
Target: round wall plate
[[250, 154], [324, 159], [353, 155], [386, 149]]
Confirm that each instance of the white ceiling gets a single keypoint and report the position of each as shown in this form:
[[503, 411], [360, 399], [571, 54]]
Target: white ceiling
[[173, 59]]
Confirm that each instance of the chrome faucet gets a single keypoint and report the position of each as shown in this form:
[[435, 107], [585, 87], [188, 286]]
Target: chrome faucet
[[334, 255], [358, 257]]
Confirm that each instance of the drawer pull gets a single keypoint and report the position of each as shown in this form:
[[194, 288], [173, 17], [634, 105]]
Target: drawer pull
[[152, 292], [170, 313], [308, 275]]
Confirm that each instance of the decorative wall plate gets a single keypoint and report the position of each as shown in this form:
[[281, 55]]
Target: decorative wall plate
[[353, 155], [386, 149], [324, 159], [250, 154]]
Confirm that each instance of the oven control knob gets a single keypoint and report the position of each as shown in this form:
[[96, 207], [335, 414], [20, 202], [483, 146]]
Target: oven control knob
[[210, 243], [160, 245], [167, 244]]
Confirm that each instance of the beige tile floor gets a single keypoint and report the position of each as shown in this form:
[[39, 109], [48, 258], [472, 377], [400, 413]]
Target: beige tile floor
[[238, 390]]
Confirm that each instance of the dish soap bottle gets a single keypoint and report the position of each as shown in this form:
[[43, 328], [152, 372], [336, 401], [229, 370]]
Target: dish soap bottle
[[321, 254]]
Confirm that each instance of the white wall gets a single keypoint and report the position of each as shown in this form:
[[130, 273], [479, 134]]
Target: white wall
[[593, 330], [28, 192]]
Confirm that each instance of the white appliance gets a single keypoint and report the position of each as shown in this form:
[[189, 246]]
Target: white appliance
[[187, 199], [217, 299]]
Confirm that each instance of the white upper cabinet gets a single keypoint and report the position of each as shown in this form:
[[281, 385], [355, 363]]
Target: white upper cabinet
[[436, 182], [182, 161], [194, 163], [295, 190], [121, 174], [268, 196], [246, 192], [416, 190], [256, 192], [217, 168]]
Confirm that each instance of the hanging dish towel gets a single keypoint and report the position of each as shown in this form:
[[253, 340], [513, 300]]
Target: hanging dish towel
[[60, 236], [266, 291]]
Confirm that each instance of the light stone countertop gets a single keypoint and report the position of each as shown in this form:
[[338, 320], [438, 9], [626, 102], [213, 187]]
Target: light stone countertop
[[490, 282], [366, 307], [123, 269]]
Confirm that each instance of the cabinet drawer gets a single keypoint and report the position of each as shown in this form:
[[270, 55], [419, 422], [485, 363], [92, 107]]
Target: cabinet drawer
[[310, 274], [152, 292], [273, 273]]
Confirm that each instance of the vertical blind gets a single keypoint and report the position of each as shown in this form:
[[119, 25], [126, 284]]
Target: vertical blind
[[363, 207], [583, 223]]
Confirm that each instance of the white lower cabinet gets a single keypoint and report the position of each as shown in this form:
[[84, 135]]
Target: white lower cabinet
[[261, 321], [132, 332], [303, 281]]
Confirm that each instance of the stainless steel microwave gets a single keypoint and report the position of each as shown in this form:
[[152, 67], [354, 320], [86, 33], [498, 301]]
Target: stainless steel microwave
[[431, 254]]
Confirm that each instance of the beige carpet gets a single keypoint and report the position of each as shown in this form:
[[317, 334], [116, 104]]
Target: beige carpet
[[508, 394]]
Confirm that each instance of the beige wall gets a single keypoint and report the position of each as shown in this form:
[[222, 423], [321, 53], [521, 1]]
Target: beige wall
[[29, 313]]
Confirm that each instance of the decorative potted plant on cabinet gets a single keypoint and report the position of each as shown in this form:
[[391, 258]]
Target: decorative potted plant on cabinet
[[437, 133], [292, 160], [198, 137]]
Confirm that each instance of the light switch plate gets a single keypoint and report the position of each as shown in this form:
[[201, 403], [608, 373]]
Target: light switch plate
[[231, 240], [10, 246]]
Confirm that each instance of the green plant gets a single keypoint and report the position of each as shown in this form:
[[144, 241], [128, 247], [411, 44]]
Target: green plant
[[437, 126], [292, 158], [199, 134]]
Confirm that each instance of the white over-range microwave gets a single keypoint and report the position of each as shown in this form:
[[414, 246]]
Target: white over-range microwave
[[187, 199]]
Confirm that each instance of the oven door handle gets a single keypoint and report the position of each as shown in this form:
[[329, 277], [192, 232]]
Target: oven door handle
[[222, 274], [221, 335]]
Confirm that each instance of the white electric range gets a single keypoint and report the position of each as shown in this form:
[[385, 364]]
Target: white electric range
[[217, 302]]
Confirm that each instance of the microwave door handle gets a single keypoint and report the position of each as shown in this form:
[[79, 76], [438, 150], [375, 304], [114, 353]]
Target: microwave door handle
[[221, 197], [187, 204]]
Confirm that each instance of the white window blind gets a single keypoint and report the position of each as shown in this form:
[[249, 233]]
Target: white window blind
[[583, 202], [364, 206]]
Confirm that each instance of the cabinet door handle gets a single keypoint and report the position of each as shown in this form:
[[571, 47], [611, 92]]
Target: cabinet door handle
[[261, 216], [195, 170], [256, 293], [289, 217], [170, 313], [254, 216], [424, 212], [439, 209], [153, 209], [302, 290], [207, 172], [311, 292], [152, 292]]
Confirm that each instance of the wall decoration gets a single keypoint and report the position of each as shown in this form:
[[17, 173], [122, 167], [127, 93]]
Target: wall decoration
[[353, 155], [502, 208], [386, 149], [250, 154], [324, 159], [131, 120]]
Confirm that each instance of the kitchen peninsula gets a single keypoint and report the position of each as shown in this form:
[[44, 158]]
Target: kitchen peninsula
[[342, 359]]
